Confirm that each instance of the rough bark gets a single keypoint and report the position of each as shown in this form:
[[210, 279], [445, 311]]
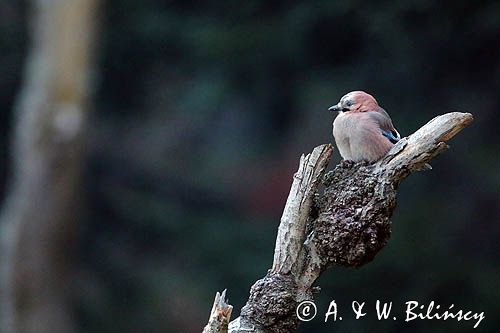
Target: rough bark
[[345, 224], [39, 212]]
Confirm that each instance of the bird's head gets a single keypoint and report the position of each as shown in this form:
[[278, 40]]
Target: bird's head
[[355, 101]]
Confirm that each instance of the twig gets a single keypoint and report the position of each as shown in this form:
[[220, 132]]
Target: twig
[[220, 315]]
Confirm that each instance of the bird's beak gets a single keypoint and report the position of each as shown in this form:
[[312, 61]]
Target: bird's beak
[[335, 108]]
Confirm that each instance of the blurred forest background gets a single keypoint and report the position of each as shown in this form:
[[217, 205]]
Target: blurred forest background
[[200, 111]]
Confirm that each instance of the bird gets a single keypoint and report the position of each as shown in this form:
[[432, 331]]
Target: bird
[[363, 130]]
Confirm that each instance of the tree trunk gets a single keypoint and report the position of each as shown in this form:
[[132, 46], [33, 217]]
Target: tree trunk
[[39, 212]]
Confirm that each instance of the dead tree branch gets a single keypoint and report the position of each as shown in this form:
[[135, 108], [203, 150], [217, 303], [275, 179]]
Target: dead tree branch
[[220, 315], [346, 224]]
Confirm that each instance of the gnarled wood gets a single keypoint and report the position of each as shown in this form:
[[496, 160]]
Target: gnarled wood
[[347, 224]]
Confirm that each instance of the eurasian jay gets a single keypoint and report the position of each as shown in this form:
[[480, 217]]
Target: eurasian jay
[[363, 131]]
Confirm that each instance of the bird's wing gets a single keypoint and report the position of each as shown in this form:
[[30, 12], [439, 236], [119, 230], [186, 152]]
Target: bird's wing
[[384, 122]]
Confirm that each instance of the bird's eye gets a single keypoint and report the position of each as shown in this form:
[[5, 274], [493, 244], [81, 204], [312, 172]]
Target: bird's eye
[[348, 103]]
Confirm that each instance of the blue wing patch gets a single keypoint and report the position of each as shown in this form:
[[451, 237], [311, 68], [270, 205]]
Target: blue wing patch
[[393, 136]]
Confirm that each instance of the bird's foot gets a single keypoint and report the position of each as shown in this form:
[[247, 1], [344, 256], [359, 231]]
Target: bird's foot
[[364, 163], [347, 164]]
